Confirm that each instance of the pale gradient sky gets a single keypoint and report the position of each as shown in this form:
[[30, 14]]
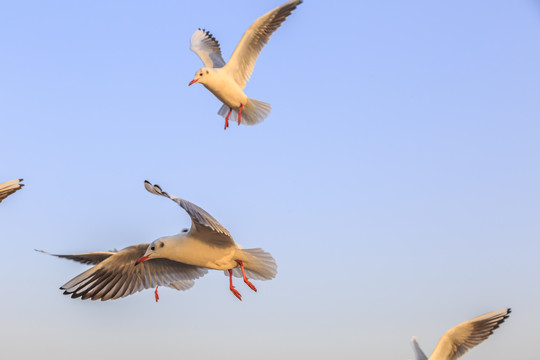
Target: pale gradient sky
[[396, 181]]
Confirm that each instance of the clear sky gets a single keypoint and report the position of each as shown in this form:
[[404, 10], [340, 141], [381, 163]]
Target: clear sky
[[396, 181]]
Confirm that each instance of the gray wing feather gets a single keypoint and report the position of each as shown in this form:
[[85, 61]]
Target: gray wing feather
[[9, 187], [203, 226], [418, 353], [117, 276], [92, 258], [207, 47], [243, 59]]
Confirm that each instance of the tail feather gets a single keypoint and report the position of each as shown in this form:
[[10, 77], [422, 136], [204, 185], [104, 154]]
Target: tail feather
[[253, 112], [258, 264]]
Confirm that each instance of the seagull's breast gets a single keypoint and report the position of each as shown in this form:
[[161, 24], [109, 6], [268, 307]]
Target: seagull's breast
[[225, 88], [193, 251]]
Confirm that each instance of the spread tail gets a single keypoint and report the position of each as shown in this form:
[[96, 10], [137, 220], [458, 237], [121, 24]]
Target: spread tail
[[253, 112], [258, 264]]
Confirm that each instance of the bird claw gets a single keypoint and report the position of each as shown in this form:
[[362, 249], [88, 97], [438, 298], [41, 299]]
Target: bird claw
[[156, 294], [250, 285], [236, 293]]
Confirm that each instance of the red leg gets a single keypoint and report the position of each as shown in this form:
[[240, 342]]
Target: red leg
[[227, 119], [240, 112], [234, 291], [157, 295], [245, 277]]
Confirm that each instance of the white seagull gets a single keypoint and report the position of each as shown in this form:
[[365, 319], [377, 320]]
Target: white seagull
[[227, 81], [9, 187], [173, 261], [208, 244], [460, 339]]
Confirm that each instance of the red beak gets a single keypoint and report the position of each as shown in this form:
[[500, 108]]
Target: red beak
[[193, 82], [144, 258]]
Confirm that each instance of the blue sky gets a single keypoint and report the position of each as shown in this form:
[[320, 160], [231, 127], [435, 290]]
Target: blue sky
[[395, 181]]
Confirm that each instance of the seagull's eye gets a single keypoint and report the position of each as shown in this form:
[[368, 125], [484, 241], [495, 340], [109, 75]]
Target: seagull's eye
[[161, 245], [200, 74], [152, 248]]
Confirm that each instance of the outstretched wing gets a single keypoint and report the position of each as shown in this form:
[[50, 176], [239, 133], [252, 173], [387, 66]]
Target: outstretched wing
[[460, 339], [9, 187], [207, 47], [117, 276], [242, 61], [418, 353], [203, 225], [92, 258]]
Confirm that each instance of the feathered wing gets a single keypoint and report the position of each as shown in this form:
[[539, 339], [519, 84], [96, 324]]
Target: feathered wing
[[207, 48], [117, 276], [203, 225], [418, 353], [9, 187], [460, 339], [182, 285], [92, 258], [243, 59]]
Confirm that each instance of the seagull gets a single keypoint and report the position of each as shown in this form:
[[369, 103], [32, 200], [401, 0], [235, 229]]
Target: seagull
[[114, 275], [209, 245], [173, 261], [227, 81], [9, 187], [460, 339]]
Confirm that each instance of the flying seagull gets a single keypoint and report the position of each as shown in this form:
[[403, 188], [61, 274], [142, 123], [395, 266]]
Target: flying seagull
[[227, 80], [173, 261], [460, 339], [208, 244], [9, 187]]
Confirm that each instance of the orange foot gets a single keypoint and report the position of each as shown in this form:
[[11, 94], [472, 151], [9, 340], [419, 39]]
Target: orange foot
[[245, 277], [234, 291], [227, 119], [240, 112], [156, 293]]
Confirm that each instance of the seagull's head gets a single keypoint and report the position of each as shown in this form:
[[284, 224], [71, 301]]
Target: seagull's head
[[201, 76], [155, 250]]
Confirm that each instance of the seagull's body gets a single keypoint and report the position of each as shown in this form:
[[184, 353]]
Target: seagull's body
[[227, 80], [463, 337], [9, 187], [173, 261]]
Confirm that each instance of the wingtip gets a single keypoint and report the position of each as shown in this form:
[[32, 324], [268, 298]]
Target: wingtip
[[154, 189]]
